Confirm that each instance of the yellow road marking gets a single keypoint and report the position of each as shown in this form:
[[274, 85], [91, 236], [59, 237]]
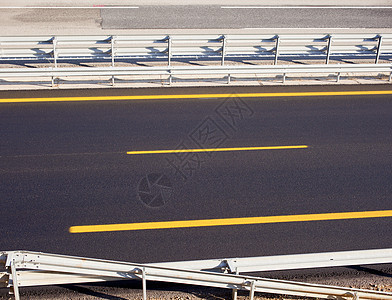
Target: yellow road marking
[[217, 149], [195, 96], [231, 221]]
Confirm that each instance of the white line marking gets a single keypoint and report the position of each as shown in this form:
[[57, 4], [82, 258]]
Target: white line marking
[[312, 7], [65, 7]]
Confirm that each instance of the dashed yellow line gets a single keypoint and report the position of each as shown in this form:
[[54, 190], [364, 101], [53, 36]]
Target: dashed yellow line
[[231, 221], [194, 96], [216, 149]]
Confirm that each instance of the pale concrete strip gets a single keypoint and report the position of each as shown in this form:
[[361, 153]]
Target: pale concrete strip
[[89, 24], [14, 22], [208, 16], [25, 3]]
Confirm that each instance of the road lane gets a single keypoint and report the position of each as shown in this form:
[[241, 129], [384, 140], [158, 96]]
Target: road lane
[[175, 17], [65, 164], [232, 17]]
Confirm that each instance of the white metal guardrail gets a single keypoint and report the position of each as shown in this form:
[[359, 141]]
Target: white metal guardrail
[[287, 262], [172, 47], [158, 48], [25, 268], [199, 72]]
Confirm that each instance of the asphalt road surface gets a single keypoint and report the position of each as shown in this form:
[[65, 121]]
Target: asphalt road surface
[[43, 19], [65, 164], [235, 17]]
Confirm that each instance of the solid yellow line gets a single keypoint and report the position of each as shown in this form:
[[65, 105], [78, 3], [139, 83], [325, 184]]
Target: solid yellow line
[[217, 149], [195, 96], [231, 221]]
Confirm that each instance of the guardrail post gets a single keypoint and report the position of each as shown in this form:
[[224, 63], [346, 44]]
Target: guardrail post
[[144, 284], [235, 294], [169, 50], [328, 49], [228, 78], [235, 291], [277, 49], [112, 52], [223, 49], [54, 42], [15, 281], [252, 290], [52, 77], [390, 77], [284, 78], [378, 49]]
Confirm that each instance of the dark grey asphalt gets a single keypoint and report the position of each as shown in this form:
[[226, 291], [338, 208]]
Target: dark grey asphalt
[[215, 17], [64, 164]]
